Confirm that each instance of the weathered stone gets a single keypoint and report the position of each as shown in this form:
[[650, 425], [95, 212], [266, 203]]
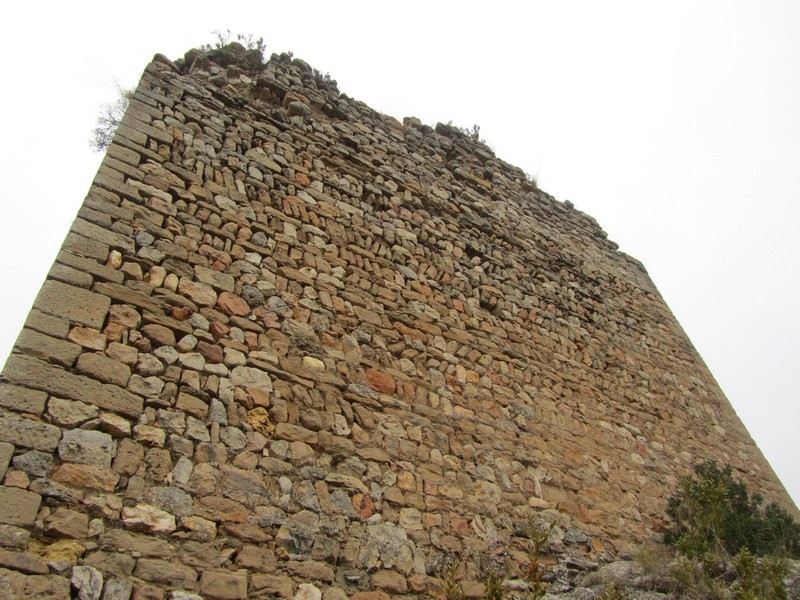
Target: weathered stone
[[104, 368], [18, 507], [22, 399], [41, 587], [34, 373], [199, 293], [389, 581], [380, 381], [28, 433], [66, 523], [224, 585], [129, 457], [88, 581], [251, 377], [47, 348], [171, 574], [23, 562], [271, 585], [88, 338], [87, 447], [6, 452], [159, 335], [73, 304], [117, 589], [172, 500], [308, 591], [14, 537], [70, 413], [85, 476]]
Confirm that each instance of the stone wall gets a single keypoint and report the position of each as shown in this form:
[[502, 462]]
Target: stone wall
[[292, 345]]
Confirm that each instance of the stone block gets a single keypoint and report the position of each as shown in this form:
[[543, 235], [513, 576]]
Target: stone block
[[18, 507], [31, 372], [73, 304], [41, 587], [23, 562], [28, 433], [166, 573], [103, 368], [47, 348], [87, 447], [21, 399], [271, 585], [86, 476], [224, 585], [66, 523], [47, 324], [6, 452]]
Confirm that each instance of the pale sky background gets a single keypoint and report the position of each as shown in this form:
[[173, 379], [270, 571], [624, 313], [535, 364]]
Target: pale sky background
[[674, 124]]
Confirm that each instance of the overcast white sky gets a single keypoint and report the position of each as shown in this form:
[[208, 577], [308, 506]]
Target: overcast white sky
[[674, 124]]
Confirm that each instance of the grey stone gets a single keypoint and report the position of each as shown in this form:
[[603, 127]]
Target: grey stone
[[252, 295], [87, 447], [28, 433], [34, 463], [172, 500], [6, 452], [117, 589]]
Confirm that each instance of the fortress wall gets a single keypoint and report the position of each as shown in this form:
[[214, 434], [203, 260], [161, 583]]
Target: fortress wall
[[290, 340]]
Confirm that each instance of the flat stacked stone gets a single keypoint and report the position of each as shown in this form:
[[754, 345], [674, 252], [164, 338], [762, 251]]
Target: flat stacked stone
[[292, 347]]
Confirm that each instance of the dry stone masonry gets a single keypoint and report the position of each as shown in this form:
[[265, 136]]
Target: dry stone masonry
[[294, 348]]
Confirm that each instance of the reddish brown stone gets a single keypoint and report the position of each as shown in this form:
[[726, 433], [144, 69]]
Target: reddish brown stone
[[211, 352], [232, 304], [381, 381]]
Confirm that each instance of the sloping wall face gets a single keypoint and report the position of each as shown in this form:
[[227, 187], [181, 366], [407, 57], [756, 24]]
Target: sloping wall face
[[290, 341]]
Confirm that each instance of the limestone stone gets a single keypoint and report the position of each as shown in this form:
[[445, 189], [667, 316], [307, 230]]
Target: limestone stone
[[6, 452], [30, 372], [167, 573], [104, 368], [28, 433], [144, 517], [23, 562], [199, 293], [308, 591], [271, 585], [87, 447], [21, 399], [73, 304], [88, 338], [251, 377], [66, 523], [117, 589], [47, 348], [88, 581], [389, 581], [18, 507], [43, 587], [14, 537], [70, 413], [224, 585], [85, 476]]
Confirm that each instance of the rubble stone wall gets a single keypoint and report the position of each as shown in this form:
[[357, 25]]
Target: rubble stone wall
[[293, 345]]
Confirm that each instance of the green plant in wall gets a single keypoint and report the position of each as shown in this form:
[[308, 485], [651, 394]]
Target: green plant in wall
[[713, 513], [729, 541]]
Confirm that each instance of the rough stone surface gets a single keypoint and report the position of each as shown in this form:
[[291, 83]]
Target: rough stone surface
[[72, 304], [295, 348], [41, 587], [18, 507], [28, 433]]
